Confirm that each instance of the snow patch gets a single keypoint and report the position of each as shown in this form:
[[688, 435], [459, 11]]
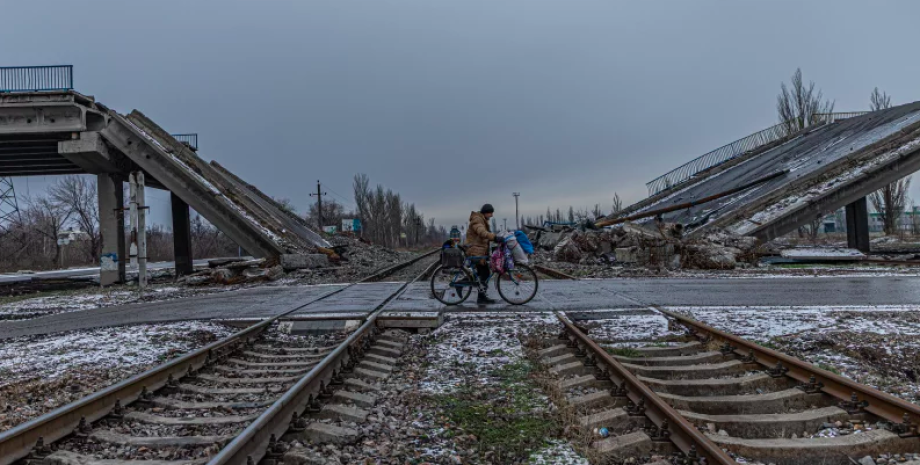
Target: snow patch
[[51, 356]]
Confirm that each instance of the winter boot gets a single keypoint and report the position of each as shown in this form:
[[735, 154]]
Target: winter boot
[[482, 297]]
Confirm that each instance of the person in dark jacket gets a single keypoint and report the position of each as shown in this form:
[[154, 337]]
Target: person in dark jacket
[[478, 237]]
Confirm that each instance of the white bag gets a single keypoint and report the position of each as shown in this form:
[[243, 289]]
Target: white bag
[[519, 255]]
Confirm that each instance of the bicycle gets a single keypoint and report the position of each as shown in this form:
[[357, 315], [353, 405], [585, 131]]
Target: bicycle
[[452, 286]]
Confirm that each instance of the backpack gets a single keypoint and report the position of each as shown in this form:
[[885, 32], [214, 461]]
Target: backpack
[[451, 257]]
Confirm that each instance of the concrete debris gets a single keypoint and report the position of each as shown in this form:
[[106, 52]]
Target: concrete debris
[[663, 247], [823, 254], [242, 272], [224, 261], [304, 261]]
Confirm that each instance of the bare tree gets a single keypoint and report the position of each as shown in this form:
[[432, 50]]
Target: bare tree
[[914, 220], [879, 100], [596, 213], [333, 212], [617, 204], [77, 194], [799, 104], [813, 228], [890, 200], [361, 189], [393, 217], [48, 218], [385, 217]]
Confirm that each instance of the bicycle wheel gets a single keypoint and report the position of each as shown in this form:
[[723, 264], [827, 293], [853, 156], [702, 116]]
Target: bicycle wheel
[[447, 285], [519, 285]]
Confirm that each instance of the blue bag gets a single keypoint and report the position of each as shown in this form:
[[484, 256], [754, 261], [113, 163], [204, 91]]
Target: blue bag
[[524, 241]]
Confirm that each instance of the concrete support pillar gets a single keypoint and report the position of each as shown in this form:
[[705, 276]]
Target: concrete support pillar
[[858, 225], [182, 236], [111, 228]]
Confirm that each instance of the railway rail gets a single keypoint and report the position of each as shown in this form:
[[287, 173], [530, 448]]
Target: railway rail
[[553, 272], [191, 399], [717, 398]]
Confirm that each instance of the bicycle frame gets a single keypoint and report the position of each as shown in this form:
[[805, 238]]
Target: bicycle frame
[[468, 264]]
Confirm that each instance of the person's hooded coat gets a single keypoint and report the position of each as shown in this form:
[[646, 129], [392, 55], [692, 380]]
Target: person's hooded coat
[[478, 235]]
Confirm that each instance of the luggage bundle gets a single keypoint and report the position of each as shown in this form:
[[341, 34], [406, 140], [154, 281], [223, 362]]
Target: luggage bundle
[[451, 257], [519, 245]]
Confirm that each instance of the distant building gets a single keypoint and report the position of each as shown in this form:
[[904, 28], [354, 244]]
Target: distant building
[[909, 221], [837, 222]]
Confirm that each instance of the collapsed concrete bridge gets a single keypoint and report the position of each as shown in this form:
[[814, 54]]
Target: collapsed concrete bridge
[[798, 178], [64, 132]]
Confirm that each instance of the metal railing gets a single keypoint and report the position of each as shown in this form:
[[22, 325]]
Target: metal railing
[[190, 139], [36, 78], [732, 150], [821, 118]]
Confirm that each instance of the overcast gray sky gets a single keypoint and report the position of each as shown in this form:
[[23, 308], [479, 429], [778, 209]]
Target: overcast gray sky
[[454, 104]]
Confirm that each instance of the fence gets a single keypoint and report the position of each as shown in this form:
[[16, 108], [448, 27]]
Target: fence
[[36, 78], [190, 139], [732, 150]]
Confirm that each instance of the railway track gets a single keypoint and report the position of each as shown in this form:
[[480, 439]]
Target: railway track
[[553, 273], [715, 398], [227, 403]]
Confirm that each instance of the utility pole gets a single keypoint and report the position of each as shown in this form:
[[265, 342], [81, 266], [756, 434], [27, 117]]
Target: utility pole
[[319, 203], [418, 224], [517, 216]]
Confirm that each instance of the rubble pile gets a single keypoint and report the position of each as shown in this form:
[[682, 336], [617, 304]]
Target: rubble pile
[[235, 270], [660, 247], [350, 258]]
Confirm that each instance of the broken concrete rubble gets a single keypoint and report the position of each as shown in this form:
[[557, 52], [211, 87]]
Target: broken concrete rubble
[[226, 271], [663, 247], [303, 261]]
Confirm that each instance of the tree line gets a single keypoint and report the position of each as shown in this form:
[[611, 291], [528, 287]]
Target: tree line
[[30, 241], [386, 218]]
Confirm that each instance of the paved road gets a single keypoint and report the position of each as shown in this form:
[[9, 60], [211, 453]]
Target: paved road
[[578, 295]]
